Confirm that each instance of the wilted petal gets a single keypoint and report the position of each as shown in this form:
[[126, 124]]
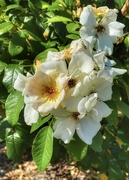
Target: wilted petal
[[30, 115], [64, 128], [87, 128]]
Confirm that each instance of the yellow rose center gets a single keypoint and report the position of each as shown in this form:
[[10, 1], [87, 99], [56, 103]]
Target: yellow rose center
[[51, 92]]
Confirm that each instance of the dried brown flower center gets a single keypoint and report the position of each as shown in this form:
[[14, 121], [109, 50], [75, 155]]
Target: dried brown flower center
[[75, 116], [100, 28], [71, 83]]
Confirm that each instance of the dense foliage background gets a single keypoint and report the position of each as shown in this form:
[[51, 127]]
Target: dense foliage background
[[28, 30]]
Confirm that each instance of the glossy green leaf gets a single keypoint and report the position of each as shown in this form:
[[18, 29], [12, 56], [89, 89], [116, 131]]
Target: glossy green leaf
[[10, 75], [71, 27], [15, 147], [5, 27], [14, 104], [72, 36], [58, 19], [43, 147], [40, 122], [124, 108]]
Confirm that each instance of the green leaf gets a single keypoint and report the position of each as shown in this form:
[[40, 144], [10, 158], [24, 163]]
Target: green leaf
[[58, 19], [10, 75], [41, 4], [4, 129], [127, 163], [97, 142], [43, 55], [24, 131], [39, 123], [71, 27], [115, 171], [56, 6], [14, 104], [112, 118], [72, 36], [77, 148], [119, 3], [43, 147], [124, 108], [15, 147], [5, 27], [14, 6], [2, 66], [2, 3], [17, 43]]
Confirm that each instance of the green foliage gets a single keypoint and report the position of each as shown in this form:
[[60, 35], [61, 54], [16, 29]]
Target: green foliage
[[29, 29], [76, 148], [14, 105], [43, 147], [15, 146]]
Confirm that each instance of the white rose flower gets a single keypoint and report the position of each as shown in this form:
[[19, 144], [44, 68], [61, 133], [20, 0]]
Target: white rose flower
[[66, 54], [30, 114], [82, 115], [45, 91], [100, 24]]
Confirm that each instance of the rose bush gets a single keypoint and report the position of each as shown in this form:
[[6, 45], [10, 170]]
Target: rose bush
[[64, 83]]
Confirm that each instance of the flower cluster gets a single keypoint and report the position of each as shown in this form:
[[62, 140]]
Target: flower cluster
[[73, 84]]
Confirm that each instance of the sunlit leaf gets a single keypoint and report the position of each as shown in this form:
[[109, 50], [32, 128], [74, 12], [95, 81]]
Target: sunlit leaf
[[42, 148], [40, 122], [5, 27], [10, 75], [14, 105], [58, 19]]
